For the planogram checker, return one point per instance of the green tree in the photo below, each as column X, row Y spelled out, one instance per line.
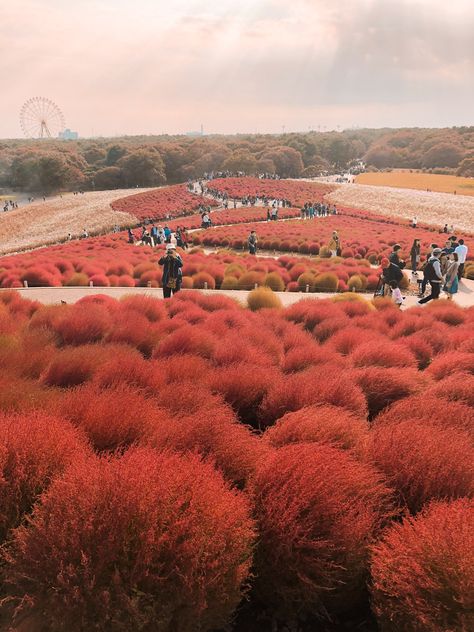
column 114, row 154
column 241, row 160
column 107, row 178
column 143, row 167
column 443, row 155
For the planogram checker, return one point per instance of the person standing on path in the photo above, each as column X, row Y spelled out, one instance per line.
column 172, row 274
column 433, row 276
column 451, row 284
column 390, row 272
column 252, row 243
column 461, row 251
column 415, row 253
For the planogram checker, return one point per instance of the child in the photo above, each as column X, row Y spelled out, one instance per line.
column 396, row 294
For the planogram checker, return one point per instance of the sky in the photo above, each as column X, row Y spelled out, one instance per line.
column 238, row 66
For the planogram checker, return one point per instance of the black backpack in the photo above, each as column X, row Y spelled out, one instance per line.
column 429, row 272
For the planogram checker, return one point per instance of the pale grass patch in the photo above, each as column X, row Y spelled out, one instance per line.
column 44, row 223
column 432, row 208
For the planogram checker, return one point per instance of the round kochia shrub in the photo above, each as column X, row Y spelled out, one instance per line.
column 326, row 282
column 166, row 546
column 318, row 385
column 34, row 448
column 423, row 462
column 217, row 436
column 319, row 424
column 422, row 575
column 317, row 510
column 263, row 297
column 113, row 417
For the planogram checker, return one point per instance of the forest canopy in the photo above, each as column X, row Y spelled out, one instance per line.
column 101, row 163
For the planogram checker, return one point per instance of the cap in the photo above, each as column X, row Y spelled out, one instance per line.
column 437, row 251
column 170, row 247
column 385, row 262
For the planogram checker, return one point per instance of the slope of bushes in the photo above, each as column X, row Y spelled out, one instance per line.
column 137, row 437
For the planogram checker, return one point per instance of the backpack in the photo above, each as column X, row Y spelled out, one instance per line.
column 429, row 272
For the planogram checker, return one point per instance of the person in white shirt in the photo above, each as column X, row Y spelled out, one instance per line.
column 461, row 251
column 397, row 297
column 414, row 222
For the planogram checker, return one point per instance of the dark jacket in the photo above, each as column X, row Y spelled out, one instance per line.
column 171, row 267
column 394, row 258
column 392, row 273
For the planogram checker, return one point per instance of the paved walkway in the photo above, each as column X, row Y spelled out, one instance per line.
column 54, row 295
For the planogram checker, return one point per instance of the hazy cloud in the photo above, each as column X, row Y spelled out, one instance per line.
column 117, row 66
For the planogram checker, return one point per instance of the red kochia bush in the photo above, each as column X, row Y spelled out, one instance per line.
column 317, row 510
column 73, row 366
column 243, row 386
column 318, row 385
column 83, row 324
column 187, row 339
column 386, row 354
column 451, row 362
column 422, row 575
column 320, row 424
column 216, row 435
column 458, row 387
column 114, row 417
column 383, row 386
column 34, row 448
column 423, row 462
column 430, row 411
column 166, row 545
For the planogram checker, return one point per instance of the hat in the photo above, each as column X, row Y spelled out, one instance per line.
column 385, row 262
column 437, row 251
column 170, row 247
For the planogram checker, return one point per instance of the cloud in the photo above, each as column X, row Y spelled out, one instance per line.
column 117, row 66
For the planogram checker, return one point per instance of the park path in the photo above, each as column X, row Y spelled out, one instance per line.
column 54, row 295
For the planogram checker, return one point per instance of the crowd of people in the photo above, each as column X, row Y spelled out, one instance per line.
column 158, row 235
column 9, row 205
column 311, row 210
column 442, row 270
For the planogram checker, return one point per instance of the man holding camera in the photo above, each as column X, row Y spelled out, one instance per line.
column 172, row 274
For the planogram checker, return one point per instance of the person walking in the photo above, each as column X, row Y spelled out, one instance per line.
column 461, row 251
column 433, row 276
column 397, row 297
column 452, row 282
column 252, row 243
column 415, row 253
column 172, row 273
column 395, row 256
column 390, row 272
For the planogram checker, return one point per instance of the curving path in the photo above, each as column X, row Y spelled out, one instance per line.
column 54, row 295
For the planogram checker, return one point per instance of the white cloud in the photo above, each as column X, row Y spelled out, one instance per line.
column 122, row 66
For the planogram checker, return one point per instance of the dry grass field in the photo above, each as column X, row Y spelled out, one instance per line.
column 430, row 207
column 43, row 223
column 404, row 179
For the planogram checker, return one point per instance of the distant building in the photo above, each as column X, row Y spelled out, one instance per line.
column 68, row 135
column 200, row 133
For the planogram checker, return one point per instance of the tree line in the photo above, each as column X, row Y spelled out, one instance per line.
column 49, row 165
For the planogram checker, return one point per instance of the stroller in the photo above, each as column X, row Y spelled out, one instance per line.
column 381, row 289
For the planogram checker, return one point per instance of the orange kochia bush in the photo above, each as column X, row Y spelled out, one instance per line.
column 165, row 545
column 317, row 509
column 276, row 403
column 422, row 575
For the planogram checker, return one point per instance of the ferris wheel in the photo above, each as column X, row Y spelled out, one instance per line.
column 41, row 118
